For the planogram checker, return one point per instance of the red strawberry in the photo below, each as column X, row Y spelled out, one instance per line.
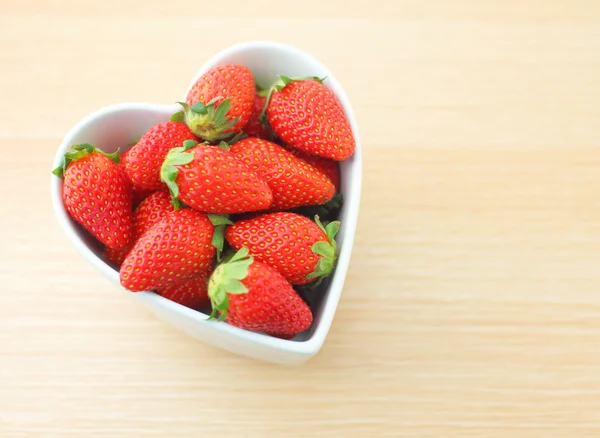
column 255, row 128
column 192, row 293
column 117, row 256
column 253, row 296
column 331, row 168
column 174, row 250
column 306, row 114
column 220, row 102
column 97, row 194
column 294, row 182
column 150, row 211
column 146, row 157
column 300, row 249
column 138, row 193
column 213, row 180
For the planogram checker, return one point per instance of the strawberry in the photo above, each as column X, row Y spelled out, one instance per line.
column 306, row 114
column 146, row 157
column 253, row 296
column 97, row 194
column 116, row 256
column 150, row 211
column 213, row 180
column 192, row 293
column 220, row 102
column 300, row 249
column 174, row 250
column 138, row 193
column 254, row 127
column 293, row 182
column 330, row 168
column 327, row 212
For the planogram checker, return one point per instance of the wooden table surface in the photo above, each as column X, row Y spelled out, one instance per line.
column 472, row 303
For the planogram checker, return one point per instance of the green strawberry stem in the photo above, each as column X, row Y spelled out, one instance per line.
column 327, row 212
column 178, row 117
column 169, row 171
column 226, row 279
column 220, row 222
column 78, row 152
column 209, row 122
column 224, row 145
column 239, row 136
column 278, row 86
column 327, row 251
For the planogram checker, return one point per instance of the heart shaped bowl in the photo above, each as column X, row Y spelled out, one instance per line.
column 117, row 125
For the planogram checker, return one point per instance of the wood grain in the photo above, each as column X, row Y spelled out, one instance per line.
column 472, row 304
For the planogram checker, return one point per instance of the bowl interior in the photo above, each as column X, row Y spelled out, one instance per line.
column 119, row 125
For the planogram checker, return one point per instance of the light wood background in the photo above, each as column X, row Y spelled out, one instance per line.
column 472, row 304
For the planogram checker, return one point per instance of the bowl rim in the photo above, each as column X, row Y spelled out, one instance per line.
column 306, row 347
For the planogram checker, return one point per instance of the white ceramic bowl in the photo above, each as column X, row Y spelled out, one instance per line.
column 117, row 125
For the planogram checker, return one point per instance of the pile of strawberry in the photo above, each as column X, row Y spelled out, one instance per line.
column 229, row 204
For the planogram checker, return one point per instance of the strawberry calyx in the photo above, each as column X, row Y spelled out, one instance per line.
column 224, row 145
column 178, row 117
column 239, row 136
column 220, row 222
column 79, row 151
column 168, row 172
column 327, row 251
column 226, row 279
column 209, row 122
column 327, row 211
column 280, row 84
column 285, row 80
